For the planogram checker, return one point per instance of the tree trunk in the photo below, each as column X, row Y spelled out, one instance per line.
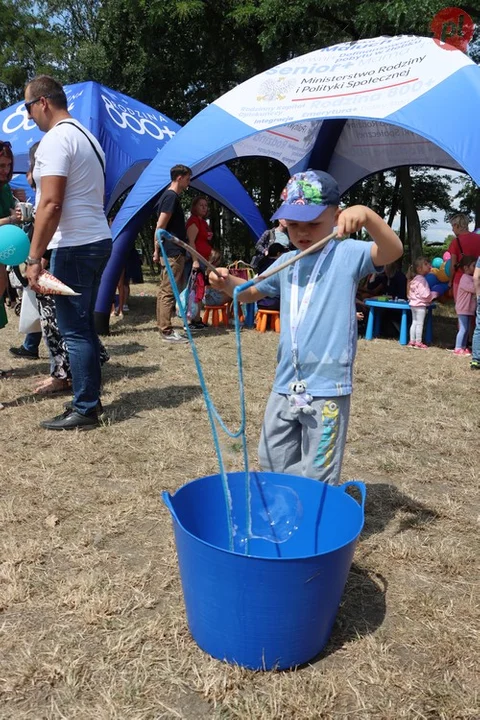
column 476, row 209
column 227, row 235
column 378, row 195
column 395, row 201
column 402, row 230
column 414, row 230
column 147, row 248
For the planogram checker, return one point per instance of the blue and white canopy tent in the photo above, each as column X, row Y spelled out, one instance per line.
column 131, row 134
column 351, row 109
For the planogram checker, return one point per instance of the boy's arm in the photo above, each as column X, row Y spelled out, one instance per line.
column 227, row 284
column 386, row 247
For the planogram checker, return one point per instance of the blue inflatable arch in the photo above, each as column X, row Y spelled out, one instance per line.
column 352, row 109
column 131, row 134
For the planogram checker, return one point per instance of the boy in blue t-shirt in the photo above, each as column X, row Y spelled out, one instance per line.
column 306, row 418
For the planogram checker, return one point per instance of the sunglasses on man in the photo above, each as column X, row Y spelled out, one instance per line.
column 29, row 104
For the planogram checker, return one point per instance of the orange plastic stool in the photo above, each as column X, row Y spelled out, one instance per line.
column 267, row 318
column 219, row 314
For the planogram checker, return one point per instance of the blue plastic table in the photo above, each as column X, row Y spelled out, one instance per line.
column 374, row 316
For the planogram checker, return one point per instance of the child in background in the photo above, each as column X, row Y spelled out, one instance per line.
column 318, row 325
column 419, row 297
column 274, row 252
column 465, row 304
column 212, row 296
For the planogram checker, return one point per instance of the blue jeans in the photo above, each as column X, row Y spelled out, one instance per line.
column 462, row 334
column 81, row 269
column 476, row 335
column 32, row 342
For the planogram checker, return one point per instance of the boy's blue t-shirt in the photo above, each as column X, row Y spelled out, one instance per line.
column 327, row 338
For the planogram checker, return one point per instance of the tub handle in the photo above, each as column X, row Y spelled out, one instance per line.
column 361, row 489
column 167, row 499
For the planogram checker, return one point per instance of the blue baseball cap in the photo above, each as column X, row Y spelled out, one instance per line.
column 306, row 195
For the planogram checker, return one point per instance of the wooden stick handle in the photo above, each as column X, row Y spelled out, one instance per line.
column 188, row 248
column 268, row 273
column 316, row 246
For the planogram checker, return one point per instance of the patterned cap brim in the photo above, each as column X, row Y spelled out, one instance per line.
column 302, row 213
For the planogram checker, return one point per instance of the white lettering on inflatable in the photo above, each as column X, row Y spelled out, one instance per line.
column 123, row 117
column 20, row 119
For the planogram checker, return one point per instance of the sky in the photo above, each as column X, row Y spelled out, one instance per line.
column 440, row 229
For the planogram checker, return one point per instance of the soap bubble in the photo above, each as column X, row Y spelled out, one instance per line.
column 276, row 512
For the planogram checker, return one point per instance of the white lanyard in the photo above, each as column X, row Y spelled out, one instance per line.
column 297, row 314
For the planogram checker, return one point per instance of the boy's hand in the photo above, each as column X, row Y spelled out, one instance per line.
column 352, row 219
column 219, row 283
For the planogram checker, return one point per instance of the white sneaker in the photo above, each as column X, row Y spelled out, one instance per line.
column 174, row 337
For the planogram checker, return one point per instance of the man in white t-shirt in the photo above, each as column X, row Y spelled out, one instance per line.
column 69, row 174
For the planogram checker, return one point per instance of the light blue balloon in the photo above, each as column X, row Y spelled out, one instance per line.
column 14, row 245
column 437, row 262
column 448, row 266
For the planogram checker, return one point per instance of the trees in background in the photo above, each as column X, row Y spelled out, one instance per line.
column 180, row 55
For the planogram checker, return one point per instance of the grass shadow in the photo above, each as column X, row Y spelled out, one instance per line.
column 361, row 612
column 444, row 331
column 124, row 329
column 39, row 367
column 126, row 349
column 383, row 504
column 132, row 403
column 116, row 371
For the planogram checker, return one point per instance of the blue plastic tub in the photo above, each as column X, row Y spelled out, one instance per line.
column 275, row 607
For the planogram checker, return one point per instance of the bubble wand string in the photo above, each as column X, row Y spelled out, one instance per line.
column 212, row 412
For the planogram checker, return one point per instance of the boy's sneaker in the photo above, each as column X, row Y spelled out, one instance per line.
column 421, row 346
column 475, row 364
column 174, row 337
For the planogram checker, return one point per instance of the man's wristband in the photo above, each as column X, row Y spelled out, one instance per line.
column 33, row 261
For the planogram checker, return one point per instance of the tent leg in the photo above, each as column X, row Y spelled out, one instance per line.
column 102, row 323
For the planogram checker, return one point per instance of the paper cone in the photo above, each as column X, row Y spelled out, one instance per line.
column 48, row 284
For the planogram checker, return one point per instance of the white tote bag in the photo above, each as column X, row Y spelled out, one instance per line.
column 29, row 316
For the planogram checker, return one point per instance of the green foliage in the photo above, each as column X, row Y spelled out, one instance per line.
column 26, row 48
column 469, row 199
column 433, row 251
column 180, row 55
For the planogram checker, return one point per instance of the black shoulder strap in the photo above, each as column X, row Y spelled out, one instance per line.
column 67, row 122
column 460, row 245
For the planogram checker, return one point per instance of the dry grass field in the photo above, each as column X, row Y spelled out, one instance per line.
column 92, row 624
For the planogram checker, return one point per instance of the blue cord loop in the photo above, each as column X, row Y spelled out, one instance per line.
column 212, row 411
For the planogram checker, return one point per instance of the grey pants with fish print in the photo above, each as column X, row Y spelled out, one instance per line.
column 308, row 445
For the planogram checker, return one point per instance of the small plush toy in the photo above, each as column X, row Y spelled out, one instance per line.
column 299, row 401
